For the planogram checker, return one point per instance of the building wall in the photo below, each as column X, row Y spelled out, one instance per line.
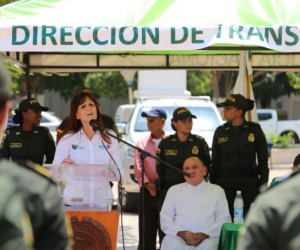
column 291, row 105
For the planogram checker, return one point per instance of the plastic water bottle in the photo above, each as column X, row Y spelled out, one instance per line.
column 238, row 206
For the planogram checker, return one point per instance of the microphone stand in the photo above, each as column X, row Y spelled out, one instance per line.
column 143, row 155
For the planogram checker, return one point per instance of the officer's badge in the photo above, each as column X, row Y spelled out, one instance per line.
column 35, row 132
column 4, row 136
column 18, row 133
column 74, row 146
column 251, row 137
column 195, row 150
column 158, row 150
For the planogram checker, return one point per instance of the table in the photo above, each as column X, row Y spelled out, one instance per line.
column 229, row 236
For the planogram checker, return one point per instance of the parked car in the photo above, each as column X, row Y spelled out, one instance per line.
column 208, row 119
column 48, row 120
column 268, row 120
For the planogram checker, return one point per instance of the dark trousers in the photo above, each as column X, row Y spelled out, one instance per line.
column 151, row 220
column 249, row 188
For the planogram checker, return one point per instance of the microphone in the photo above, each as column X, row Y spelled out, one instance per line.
column 95, row 126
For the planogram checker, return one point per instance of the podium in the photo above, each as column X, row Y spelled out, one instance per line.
column 87, row 196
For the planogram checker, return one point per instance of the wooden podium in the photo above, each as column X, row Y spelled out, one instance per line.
column 94, row 228
column 84, row 187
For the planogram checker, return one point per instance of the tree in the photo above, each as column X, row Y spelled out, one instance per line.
column 271, row 85
column 198, row 82
column 109, row 84
column 4, row 2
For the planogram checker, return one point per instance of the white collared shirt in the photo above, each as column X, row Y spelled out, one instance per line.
column 84, row 151
column 202, row 208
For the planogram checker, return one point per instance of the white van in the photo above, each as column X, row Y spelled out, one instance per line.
column 208, row 119
column 124, row 112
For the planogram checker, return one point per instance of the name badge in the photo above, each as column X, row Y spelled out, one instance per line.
column 170, row 152
column 15, row 145
column 222, row 139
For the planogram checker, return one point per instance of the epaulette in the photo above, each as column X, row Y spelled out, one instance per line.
column 38, row 169
column 47, row 129
column 254, row 123
column 6, row 132
column 226, row 124
column 199, row 137
column 106, row 116
column 12, row 127
column 59, row 131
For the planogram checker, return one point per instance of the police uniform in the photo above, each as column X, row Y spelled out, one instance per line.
column 234, row 153
column 42, row 203
column 18, row 144
column 16, row 229
column 175, row 152
column 273, row 222
column 107, row 121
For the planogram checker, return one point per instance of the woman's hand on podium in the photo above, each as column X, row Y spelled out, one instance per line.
column 68, row 161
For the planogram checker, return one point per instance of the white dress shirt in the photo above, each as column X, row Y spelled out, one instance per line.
column 84, row 151
column 201, row 208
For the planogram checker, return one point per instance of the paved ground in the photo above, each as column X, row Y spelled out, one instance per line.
column 130, row 221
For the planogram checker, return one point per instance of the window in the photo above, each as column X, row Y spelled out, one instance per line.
column 264, row 116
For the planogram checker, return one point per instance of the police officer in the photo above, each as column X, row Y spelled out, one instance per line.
column 42, row 202
column 236, row 145
column 37, row 191
column 273, row 221
column 28, row 141
column 13, row 218
column 175, row 149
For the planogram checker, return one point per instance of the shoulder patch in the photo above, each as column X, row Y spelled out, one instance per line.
column 4, row 135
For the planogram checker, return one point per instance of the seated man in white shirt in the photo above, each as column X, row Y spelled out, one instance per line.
column 193, row 212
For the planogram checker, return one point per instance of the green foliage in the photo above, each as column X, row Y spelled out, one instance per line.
column 109, row 84
column 282, row 141
column 15, row 74
column 66, row 85
column 198, row 83
column 4, row 2
column 274, row 85
column 103, row 84
column 294, row 79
